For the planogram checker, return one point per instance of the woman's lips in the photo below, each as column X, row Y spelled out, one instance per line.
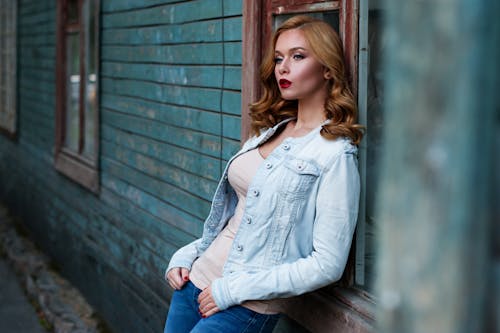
column 285, row 83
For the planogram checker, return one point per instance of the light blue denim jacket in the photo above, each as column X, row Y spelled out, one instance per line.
column 298, row 222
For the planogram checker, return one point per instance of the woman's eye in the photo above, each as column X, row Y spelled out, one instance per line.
column 278, row 60
column 298, row 56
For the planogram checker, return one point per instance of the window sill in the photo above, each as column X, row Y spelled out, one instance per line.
column 77, row 170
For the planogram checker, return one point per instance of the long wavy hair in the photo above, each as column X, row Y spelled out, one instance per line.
column 340, row 106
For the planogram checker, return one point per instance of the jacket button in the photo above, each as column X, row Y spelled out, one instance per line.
column 239, row 248
column 286, row 146
column 249, row 220
column 269, row 165
column 255, row 193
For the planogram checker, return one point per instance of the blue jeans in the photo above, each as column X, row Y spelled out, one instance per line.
column 183, row 316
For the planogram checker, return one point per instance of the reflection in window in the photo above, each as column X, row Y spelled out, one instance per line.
column 73, row 91
column 77, row 103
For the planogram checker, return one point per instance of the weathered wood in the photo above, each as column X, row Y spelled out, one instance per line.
column 206, row 31
column 188, row 11
column 202, row 165
column 170, row 117
column 196, row 141
column 183, row 200
column 193, row 183
column 206, row 54
column 435, row 203
column 200, row 76
column 202, row 98
column 179, row 116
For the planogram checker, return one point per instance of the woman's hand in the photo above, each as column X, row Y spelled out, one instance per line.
column 207, row 303
column 177, row 277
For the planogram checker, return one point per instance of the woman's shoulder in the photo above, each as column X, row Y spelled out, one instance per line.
column 337, row 145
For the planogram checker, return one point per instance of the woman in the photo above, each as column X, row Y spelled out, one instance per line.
column 284, row 212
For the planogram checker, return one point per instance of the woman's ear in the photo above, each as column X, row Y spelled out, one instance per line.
column 326, row 74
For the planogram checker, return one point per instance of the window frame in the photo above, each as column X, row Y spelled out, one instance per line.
column 343, row 305
column 8, row 65
column 76, row 166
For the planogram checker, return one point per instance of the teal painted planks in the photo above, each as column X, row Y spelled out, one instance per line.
column 232, row 77
column 231, row 103
column 203, row 98
column 232, row 7
column 188, row 182
column 190, row 161
column 118, row 5
column 196, row 141
column 206, row 31
column 171, row 225
column 185, row 117
column 200, row 76
column 229, row 148
column 176, row 197
column 168, row 14
column 232, row 29
column 231, row 127
column 232, row 53
column 44, row 98
column 184, row 54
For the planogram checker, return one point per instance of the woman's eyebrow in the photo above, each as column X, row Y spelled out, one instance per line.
column 293, row 49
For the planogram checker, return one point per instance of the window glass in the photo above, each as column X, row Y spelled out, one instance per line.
column 73, row 90
column 77, row 91
column 73, row 11
column 90, row 78
column 332, row 17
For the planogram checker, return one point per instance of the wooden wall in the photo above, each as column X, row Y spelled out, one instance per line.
column 170, row 118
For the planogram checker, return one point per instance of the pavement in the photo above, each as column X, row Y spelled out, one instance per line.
column 28, row 282
column 17, row 314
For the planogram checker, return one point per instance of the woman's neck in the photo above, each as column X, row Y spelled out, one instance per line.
column 310, row 115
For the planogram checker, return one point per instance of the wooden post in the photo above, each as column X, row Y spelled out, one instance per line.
column 436, row 204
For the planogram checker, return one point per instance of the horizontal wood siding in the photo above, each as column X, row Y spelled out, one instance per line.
column 170, row 120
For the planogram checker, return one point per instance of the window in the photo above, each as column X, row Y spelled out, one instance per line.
column 350, row 298
column 77, row 126
column 8, row 15
column 264, row 19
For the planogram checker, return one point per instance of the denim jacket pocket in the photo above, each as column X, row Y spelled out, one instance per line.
column 298, row 177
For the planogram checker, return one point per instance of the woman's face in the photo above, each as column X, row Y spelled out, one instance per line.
column 298, row 73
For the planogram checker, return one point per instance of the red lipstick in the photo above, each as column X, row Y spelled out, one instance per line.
column 284, row 83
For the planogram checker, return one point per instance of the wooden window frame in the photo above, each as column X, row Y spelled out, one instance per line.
column 8, row 67
column 76, row 166
column 340, row 307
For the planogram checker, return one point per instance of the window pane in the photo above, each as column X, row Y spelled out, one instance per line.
column 73, row 90
column 332, row 17
column 89, row 148
column 72, row 11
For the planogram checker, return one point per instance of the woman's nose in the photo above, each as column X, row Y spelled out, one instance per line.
column 283, row 67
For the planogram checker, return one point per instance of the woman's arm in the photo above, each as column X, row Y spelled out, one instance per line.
column 184, row 257
column 336, row 213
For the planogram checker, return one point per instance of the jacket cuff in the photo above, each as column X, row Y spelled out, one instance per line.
column 221, row 295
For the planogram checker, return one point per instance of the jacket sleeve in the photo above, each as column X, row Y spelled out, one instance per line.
column 185, row 256
column 336, row 214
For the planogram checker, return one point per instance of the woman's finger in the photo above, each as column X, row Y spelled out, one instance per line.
column 174, row 278
column 184, row 275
